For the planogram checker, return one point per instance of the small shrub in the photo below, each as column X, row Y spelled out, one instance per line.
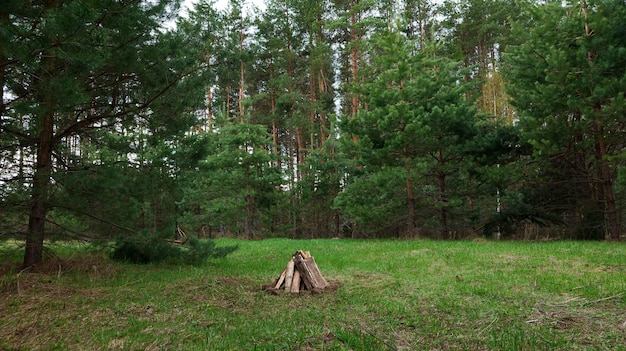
column 143, row 249
column 201, row 250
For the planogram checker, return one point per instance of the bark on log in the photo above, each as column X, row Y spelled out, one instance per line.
column 309, row 272
column 295, row 285
column 301, row 273
column 289, row 276
column 281, row 279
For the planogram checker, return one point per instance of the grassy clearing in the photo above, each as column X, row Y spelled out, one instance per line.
column 394, row 295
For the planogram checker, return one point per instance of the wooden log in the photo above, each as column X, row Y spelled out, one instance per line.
column 295, row 285
column 309, row 272
column 289, row 275
column 304, row 254
column 280, row 279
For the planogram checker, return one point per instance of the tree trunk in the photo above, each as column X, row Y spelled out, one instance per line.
column 39, row 196
column 3, row 66
column 321, row 84
column 443, row 211
column 354, row 58
column 249, row 223
column 422, row 29
column 312, row 98
column 299, row 150
column 33, row 253
column 274, row 124
column 209, row 101
column 209, row 105
column 275, row 140
column 242, row 81
column 410, row 198
column 610, row 211
column 228, row 98
column 209, row 111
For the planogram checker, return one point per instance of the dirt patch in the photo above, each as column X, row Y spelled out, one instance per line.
column 513, row 258
column 55, row 266
column 15, row 280
column 594, row 317
column 9, row 268
column 558, row 319
column 33, row 302
column 610, row 269
column 229, row 281
column 85, row 264
column 332, row 286
column 420, row 251
column 319, row 342
column 200, row 290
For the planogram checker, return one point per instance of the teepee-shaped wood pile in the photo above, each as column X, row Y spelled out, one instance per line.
column 301, row 274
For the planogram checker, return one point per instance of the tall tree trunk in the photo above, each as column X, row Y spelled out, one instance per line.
column 610, row 211
column 20, row 159
column 321, row 83
column 40, row 189
column 249, row 226
column 354, row 57
column 209, row 102
column 443, row 211
column 410, row 193
column 242, row 77
column 275, row 148
column 299, row 154
column 209, row 112
column 323, row 114
column 33, row 253
column 275, row 138
column 4, row 17
column 422, row 28
column 228, row 98
column 312, row 97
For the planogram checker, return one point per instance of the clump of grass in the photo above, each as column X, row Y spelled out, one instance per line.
column 358, row 339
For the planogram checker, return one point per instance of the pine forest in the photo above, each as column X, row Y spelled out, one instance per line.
column 128, row 120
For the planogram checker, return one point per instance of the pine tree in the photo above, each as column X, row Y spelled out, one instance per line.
column 415, row 128
column 567, row 80
column 76, row 71
column 234, row 185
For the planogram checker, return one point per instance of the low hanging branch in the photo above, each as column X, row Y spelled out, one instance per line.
column 181, row 237
column 300, row 274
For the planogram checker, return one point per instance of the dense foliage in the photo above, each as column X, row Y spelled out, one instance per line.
column 312, row 119
column 143, row 249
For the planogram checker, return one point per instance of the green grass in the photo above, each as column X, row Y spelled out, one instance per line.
column 394, row 295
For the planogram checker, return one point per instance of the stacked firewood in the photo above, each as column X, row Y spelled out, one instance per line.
column 301, row 274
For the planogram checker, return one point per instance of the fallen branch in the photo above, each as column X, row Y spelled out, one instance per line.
column 489, row 326
column 607, row 298
column 181, row 237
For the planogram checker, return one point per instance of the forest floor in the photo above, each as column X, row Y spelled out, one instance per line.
column 387, row 295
